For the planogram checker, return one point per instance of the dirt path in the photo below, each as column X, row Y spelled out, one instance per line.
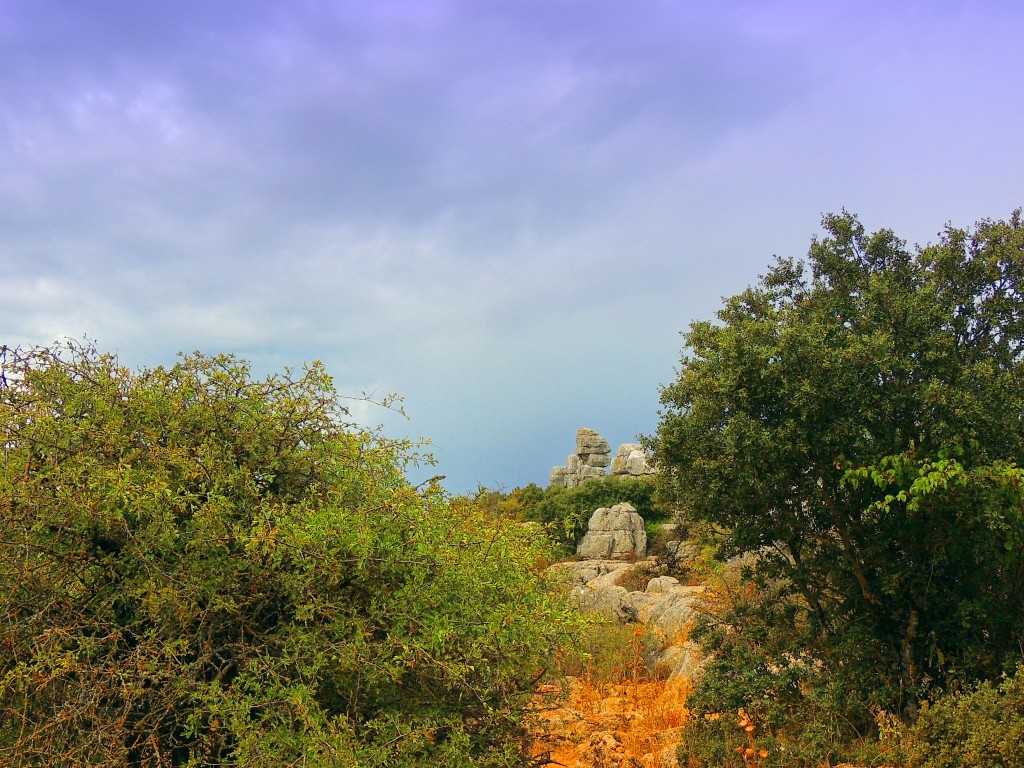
column 628, row 724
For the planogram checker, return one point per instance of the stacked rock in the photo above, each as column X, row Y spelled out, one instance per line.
column 591, row 457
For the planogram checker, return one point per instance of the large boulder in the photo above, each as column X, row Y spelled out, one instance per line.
column 668, row 605
column 631, row 459
column 616, row 532
column 608, row 600
column 579, row 572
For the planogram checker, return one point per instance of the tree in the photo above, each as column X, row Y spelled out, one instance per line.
column 199, row 568
column 857, row 427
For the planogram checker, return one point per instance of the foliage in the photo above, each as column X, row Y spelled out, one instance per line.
column 565, row 512
column 806, row 712
column 854, row 422
column 980, row 728
column 200, row 568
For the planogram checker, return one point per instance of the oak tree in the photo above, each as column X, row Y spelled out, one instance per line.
column 855, row 421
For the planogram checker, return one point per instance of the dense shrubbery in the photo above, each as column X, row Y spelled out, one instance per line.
column 202, row 569
column 853, row 427
column 566, row 511
column 981, row 728
column 807, row 713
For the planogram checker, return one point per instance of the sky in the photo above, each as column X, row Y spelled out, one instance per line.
column 504, row 211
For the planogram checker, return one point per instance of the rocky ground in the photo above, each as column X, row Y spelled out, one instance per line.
column 634, row 720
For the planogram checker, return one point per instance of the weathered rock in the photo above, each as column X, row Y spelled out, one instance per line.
column 631, row 459
column 609, row 600
column 661, row 584
column 596, row 588
column 590, row 459
column 585, row 571
column 681, row 553
column 671, row 611
column 588, row 442
column 666, row 607
column 617, row 532
column 603, row 750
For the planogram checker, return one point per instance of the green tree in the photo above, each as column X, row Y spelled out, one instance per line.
column 199, row 568
column 856, row 425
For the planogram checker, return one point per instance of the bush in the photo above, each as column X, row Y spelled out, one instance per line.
column 853, row 422
column 202, row 569
column 766, row 660
column 980, row 728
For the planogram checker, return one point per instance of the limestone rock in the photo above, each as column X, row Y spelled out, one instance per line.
column 591, row 457
column 596, row 588
column 672, row 611
column 684, row 660
column 588, row 442
column 631, row 459
column 617, row 532
column 584, row 571
column 558, row 477
column 609, row 600
column 680, row 554
column 661, row 584
column 603, row 751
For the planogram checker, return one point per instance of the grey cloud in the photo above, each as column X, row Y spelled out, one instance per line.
column 348, row 115
column 444, row 198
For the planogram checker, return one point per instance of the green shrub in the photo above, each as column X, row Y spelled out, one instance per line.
column 853, row 423
column 202, row 569
column 980, row 728
column 766, row 660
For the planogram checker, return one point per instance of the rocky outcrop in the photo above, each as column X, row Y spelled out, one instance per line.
column 664, row 606
column 596, row 589
column 667, row 605
column 591, row 457
column 616, row 532
column 631, row 460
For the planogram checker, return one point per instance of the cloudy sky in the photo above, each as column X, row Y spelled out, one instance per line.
column 505, row 210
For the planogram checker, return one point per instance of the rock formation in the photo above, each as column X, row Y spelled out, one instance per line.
column 614, row 533
column 631, row 459
column 593, row 454
column 591, row 457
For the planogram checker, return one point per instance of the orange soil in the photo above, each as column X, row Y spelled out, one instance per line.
column 629, row 724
